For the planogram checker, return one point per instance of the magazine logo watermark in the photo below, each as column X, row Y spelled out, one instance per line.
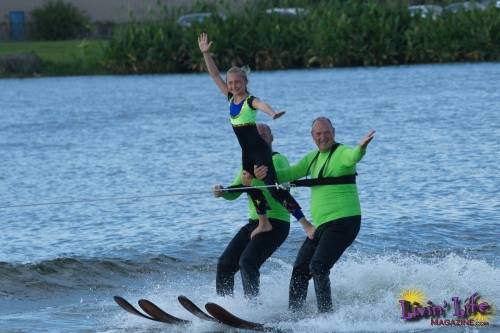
column 469, row 311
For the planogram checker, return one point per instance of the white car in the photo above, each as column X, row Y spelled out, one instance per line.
column 288, row 11
column 425, row 10
column 188, row 19
column 467, row 6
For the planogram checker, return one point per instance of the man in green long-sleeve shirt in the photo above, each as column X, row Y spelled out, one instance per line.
column 335, row 209
column 249, row 248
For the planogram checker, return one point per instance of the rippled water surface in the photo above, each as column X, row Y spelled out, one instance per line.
column 428, row 186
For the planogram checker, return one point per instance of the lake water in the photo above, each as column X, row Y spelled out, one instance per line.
column 152, row 146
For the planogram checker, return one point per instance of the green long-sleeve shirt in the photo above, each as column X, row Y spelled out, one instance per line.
column 328, row 202
column 277, row 211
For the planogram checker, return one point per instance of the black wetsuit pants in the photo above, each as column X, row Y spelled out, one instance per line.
column 247, row 255
column 255, row 151
column 315, row 259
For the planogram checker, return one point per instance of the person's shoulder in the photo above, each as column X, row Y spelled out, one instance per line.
column 312, row 154
column 278, row 157
column 345, row 151
column 343, row 148
column 250, row 100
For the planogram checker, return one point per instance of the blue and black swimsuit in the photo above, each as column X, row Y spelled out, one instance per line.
column 256, row 151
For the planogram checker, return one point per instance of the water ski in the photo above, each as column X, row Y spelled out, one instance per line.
column 226, row 317
column 194, row 309
column 156, row 312
column 153, row 312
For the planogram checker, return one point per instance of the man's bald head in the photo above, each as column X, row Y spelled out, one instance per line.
column 265, row 133
column 324, row 120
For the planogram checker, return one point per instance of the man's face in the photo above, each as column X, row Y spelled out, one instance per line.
column 323, row 135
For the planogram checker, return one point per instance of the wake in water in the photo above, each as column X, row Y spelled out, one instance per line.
column 73, row 274
column 366, row 293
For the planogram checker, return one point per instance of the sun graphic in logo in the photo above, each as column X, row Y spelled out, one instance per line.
column 413, row 296
column 478, row 316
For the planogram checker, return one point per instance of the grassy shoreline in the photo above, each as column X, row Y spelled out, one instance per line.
column 60, row 58
column 82, row 57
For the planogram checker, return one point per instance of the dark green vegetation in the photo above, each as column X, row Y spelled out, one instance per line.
column 338, row 33
column 58, row 20
column 325, row 34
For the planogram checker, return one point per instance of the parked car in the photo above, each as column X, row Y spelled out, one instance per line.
column 188, row 19
column 288, row 11
column 467, row 6
column 425, row 10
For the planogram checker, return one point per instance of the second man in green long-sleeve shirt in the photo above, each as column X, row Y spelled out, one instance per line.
column 248, row 250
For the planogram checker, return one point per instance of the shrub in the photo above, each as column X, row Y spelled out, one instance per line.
column 57, row 20
column 326, row 34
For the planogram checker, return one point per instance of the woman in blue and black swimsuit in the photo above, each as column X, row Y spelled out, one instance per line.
column 255, row 151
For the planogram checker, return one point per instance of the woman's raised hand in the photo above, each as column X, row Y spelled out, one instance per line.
column 203, row 42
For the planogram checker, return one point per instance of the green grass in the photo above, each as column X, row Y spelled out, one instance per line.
column 74, row 57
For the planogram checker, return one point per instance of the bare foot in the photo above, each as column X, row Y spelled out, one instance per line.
column 308, row 228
